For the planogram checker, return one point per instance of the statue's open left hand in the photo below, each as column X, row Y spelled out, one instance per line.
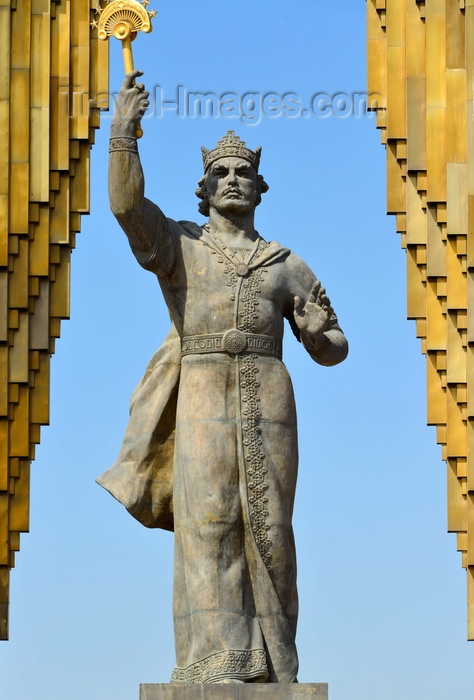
column 132, row 100
column 314, row 316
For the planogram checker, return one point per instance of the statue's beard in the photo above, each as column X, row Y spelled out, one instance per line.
column 232, row 206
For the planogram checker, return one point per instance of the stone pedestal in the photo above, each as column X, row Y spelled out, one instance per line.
column 230, row 691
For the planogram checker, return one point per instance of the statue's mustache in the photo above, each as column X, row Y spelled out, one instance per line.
column 232, row 190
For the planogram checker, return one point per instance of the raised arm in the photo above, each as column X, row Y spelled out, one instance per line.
column 144, row 223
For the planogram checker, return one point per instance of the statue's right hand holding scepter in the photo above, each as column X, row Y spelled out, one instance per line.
column 130, row 106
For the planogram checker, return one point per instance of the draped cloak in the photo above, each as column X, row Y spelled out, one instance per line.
column 210, row 452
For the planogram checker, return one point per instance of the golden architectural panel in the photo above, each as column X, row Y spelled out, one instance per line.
column 421, row 60
column 52, row 68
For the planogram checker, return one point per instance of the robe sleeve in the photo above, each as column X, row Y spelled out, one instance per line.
column 161, row 257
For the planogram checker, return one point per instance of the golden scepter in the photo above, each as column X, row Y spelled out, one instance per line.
column 123, row 19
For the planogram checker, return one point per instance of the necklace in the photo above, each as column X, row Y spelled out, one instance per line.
column 240, row 257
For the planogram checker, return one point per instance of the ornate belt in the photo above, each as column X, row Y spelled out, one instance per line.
column 233, row 342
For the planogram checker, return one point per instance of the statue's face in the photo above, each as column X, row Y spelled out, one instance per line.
column 232, row 186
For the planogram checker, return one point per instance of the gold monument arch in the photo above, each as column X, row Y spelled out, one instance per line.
column 51, row 65
column 421, row 60
column 54, row 81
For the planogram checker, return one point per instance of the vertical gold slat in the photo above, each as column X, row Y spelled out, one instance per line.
column 436, row 154
column 99, row 74
column 59, row 299
column 457, row 282
column 377, row 53
column 436, row 100
column 3, row 306
column 39, row 395
column 436, row 321
column 437, row 408
column 416, row 215
column 18, row 353
column 59, row 216
column 378, row 75
column 80, row 183
column 19, row 150
column 60, row 84
column 20, row 36
column 5, row 14
column 416, row 294
column 416, row 41
column 39, row 319
column 19, row 426
column 4, row 548
column 4, row 464
column 455, row 35
column 416, row 123
column 457, row 513
column 20, row 502
column 456, row 355
column 3, row 391
column 456, row 116
column 39, row 246
column 19, row 116
column 436, row 248
column 396, row 189
column 80, row 68
column 40, row 110
column 18, row 282
column 396, row 69
column 457, row 198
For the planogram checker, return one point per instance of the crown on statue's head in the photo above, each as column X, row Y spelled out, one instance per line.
column 231, row 145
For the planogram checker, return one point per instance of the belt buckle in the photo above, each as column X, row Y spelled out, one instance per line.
column 234, row 341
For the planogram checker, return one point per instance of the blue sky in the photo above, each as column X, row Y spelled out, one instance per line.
column 382, row 592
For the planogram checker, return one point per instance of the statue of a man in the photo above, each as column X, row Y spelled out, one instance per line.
column 211, row 447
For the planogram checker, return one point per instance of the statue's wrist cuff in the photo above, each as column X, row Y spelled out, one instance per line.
column 123, row 143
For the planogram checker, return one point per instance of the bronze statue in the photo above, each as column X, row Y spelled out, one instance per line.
column 211, row 447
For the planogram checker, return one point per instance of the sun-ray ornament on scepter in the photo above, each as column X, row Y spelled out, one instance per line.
column 123, row 19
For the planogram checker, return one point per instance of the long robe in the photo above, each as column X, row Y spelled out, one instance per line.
column 211, row 451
